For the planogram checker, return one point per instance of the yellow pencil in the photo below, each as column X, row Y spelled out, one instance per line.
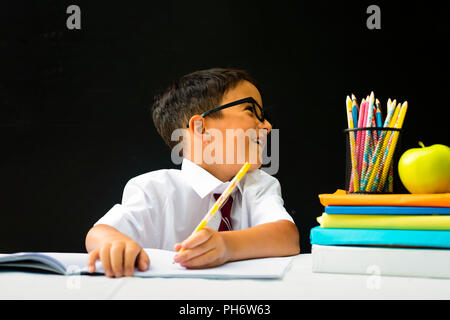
column 354, row 175
column 222, row 199
column 378, row 157
column 387, row 164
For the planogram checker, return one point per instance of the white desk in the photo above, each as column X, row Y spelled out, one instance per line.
column 298, row 283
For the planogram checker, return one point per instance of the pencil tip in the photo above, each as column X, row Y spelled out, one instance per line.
column 348, row 102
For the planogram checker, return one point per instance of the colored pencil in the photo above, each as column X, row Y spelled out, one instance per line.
column 377, row 157
column 378, row 116
column 399, row 125
column 359, row 135
column 350, row 104
column 355, row 110
column 367, row 134
column 387, row 144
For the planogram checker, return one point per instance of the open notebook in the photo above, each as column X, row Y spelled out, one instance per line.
column 160, row 265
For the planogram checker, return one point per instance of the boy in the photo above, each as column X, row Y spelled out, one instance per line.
column 160, row 209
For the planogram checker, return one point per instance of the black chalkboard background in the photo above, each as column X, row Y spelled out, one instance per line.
column 74, row 104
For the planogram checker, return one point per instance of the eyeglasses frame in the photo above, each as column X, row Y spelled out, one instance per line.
column 235, row 103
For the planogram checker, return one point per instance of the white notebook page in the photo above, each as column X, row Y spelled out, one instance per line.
column 266, row 268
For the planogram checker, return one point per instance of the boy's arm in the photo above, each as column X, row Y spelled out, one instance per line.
column 273, row 239
column 101, row 234
column 209, row 248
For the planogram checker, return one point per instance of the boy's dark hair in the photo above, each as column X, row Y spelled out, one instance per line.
column 192, row 94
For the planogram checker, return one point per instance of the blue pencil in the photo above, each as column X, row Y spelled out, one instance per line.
column 378, row 116
column 355, row 111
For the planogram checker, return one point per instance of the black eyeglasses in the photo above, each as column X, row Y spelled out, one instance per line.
column 256, row 108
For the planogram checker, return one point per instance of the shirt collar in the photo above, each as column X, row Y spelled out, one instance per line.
column 202, row 181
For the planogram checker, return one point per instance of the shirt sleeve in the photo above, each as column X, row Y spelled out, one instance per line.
column 265, row 201
column 133, row 217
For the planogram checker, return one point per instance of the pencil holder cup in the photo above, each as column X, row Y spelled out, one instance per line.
column 371, row 160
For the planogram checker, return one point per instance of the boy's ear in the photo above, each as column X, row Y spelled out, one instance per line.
column 196, row 123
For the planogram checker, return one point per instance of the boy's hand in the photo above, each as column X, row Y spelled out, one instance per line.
column 203, row 249
column 119, row 257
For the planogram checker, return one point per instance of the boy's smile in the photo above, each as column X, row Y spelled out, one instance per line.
column 242, row 121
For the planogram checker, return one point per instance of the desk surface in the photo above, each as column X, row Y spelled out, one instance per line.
column 298, row 283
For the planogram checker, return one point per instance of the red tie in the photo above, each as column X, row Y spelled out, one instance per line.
column 225, row 224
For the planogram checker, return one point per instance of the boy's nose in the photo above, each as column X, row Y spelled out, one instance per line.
column 265, row 125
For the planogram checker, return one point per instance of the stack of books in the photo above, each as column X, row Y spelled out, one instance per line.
column 386, row 234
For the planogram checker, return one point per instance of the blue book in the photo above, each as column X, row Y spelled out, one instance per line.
column 386, row 210
column 380, row 237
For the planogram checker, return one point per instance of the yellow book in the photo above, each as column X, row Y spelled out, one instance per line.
column 407, row 222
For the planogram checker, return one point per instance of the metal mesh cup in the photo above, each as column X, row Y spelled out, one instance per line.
column 371, row 159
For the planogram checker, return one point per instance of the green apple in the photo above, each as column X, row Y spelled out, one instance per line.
column 426, row 169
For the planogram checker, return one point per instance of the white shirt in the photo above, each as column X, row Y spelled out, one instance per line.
column 163, row 207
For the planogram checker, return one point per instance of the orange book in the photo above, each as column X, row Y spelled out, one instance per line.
column 342, row 198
